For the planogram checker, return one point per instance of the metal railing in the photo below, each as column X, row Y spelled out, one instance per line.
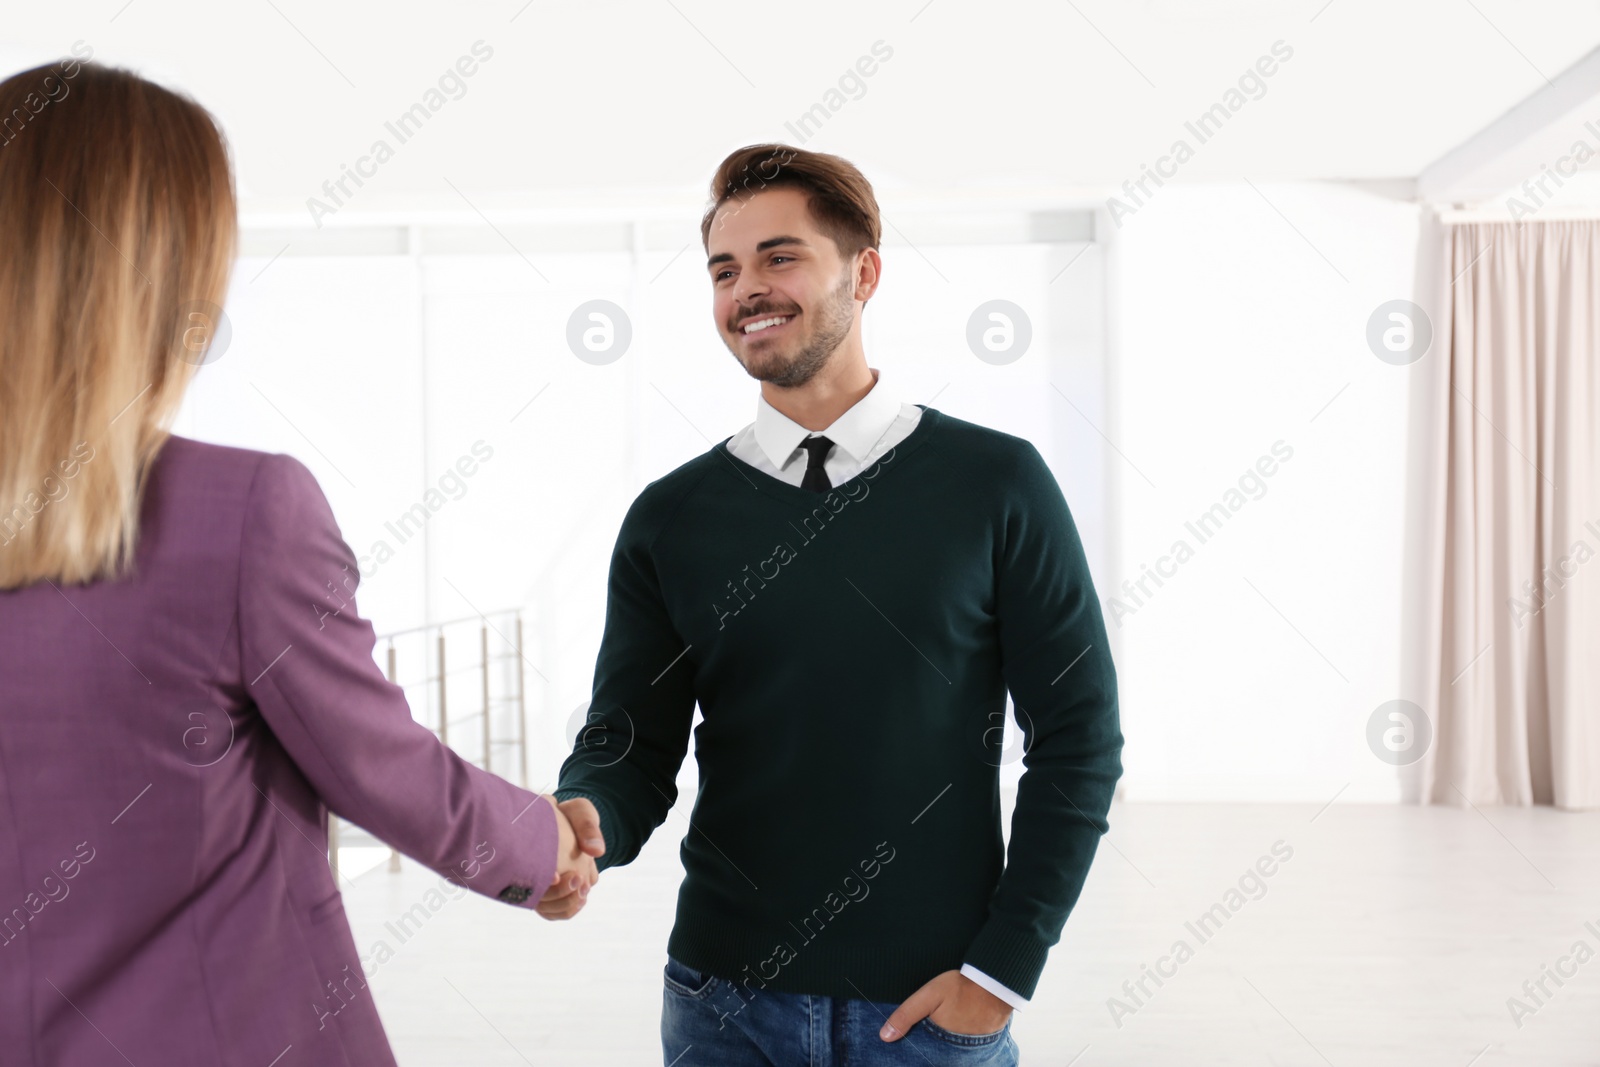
column 499, row 685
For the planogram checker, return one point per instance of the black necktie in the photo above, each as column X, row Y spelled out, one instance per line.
column 816, row 479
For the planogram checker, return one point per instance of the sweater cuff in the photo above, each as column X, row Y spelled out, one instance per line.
column 1012, row 957
column 607, row 823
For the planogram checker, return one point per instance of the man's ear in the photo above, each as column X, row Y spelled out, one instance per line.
column 868, row 271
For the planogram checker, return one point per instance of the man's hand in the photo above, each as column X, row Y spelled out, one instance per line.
column 580, row 841
column 952, row 1002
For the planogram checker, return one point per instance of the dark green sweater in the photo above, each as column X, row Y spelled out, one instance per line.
column 850, row 652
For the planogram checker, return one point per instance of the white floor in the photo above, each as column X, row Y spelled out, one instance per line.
column 1393, row 935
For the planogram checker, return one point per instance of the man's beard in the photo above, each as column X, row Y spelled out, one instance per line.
column 835, row 314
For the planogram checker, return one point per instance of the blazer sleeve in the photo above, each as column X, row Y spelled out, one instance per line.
column 308, row 667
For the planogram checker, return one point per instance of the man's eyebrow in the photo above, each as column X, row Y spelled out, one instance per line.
column 770, row 242
column 774, row 242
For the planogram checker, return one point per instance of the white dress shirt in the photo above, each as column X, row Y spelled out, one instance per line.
column 861, row 436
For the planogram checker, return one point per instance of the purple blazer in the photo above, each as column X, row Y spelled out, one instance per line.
column 170, row 745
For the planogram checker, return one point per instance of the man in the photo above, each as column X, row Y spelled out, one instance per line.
column 847, row 587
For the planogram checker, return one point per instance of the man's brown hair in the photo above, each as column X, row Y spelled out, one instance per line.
column 839, row 197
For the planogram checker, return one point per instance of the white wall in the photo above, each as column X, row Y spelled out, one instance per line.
column 382, row 372
column 1238, row 313
column 1234, row 323
column 323, row 363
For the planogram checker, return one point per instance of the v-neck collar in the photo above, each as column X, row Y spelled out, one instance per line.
column 774, row 486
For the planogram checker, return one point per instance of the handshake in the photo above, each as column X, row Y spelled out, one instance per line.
column 580, row 841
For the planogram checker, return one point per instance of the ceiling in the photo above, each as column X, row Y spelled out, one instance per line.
column 589, row 102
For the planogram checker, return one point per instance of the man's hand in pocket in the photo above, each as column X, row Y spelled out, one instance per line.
column 952, row 1002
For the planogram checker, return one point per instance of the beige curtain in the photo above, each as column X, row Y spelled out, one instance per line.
column 1509, row 646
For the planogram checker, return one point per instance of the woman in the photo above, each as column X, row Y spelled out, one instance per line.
column 178, row 709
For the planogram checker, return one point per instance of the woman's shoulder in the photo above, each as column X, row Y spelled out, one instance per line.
column 203, row 456
column 223, row 477
column 220, row 502
column 204, row 463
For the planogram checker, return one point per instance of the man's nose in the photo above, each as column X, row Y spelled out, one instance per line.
column 746, row 289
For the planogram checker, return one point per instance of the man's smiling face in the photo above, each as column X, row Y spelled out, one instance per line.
column 783, row 297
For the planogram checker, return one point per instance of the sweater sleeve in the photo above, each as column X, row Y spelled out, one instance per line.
column 308, row 666
column 625, row 760
column 1057, row 666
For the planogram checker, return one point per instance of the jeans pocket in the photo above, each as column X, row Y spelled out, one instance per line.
column 965, row 1040
column 686, row 981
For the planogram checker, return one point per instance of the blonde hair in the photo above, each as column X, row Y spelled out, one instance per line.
column 117, row 236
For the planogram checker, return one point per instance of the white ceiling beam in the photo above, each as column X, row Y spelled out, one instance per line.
column 1522, row 142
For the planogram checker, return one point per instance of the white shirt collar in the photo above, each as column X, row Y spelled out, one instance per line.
column 855, row 431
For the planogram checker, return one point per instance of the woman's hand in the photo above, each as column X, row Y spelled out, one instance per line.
column 578, row 824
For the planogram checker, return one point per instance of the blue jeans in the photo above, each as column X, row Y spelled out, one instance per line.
column 708, row 1022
